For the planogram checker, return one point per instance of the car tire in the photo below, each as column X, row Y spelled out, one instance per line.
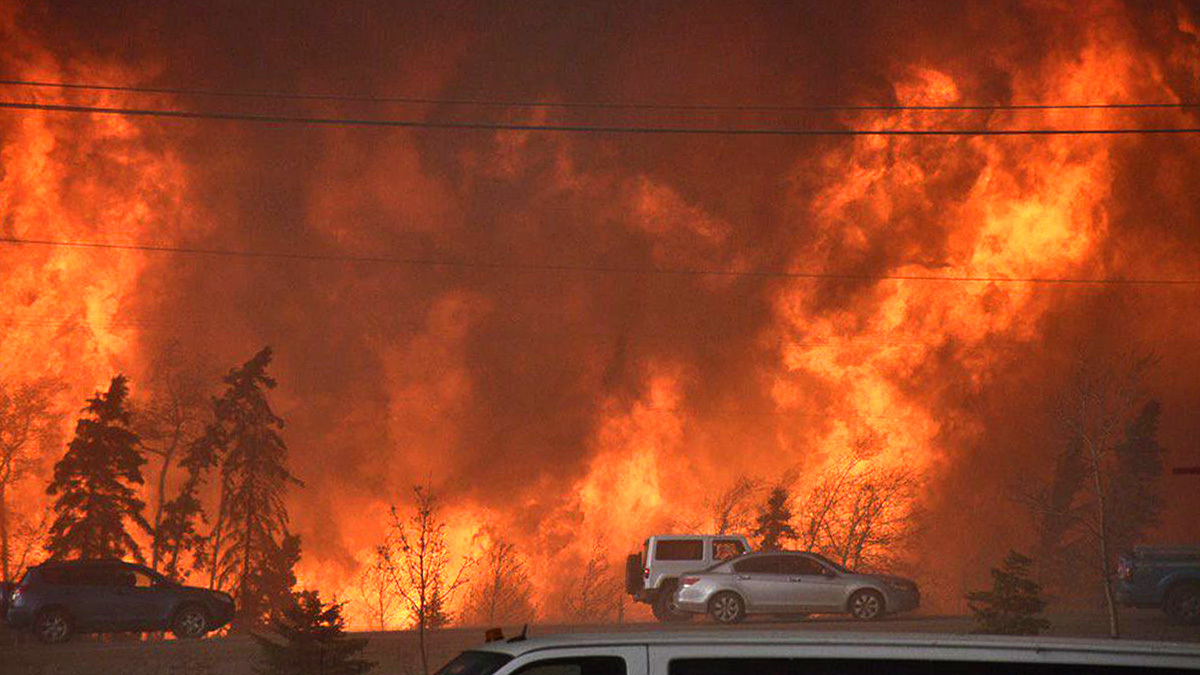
column 52, row 626
column 866, row 605
column 190, row 622
column 727, row 607
column 664, row 607
column 1182, row 604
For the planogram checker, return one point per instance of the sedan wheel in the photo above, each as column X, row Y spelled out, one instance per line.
column 53, row 626
column 190, row 623
column 866, row 605
column 727, row 608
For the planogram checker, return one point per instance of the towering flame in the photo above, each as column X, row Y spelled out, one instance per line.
column 566, row 409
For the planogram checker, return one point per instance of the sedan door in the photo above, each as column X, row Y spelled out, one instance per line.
column 811, row 587
column 761, row 581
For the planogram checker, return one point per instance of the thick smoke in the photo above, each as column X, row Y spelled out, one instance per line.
column 565, row 406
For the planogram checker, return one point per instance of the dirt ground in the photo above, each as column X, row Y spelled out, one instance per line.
column 396, row 651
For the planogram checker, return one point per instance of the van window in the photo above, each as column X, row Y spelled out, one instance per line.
column 794, row 666
column 679, row 549
column 724, row 549
column 581, row 665
column 475, row 663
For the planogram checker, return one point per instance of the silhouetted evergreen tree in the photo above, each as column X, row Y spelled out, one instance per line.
column 251, row 552
column 314, row 641
column 1136, row 503
column 437, row 617
column 96, row 500
column 773, row 526
column 1014, row 603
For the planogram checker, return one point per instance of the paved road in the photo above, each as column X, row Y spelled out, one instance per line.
column 396, row 651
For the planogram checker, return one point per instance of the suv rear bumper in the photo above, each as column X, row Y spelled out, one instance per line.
column 646, row 595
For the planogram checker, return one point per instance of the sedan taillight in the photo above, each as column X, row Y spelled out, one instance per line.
column 688, row 581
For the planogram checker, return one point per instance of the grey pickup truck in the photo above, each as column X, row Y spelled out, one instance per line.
column 1167, row 577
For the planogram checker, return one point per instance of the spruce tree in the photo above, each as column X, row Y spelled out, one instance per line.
column 1135, row 504
column 774, row 521
column 1014, row 603
column 251, row 551
column 314, row 641
column 95, row 483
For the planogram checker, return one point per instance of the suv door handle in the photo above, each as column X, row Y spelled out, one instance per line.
column 795, row 578
column 742, row 577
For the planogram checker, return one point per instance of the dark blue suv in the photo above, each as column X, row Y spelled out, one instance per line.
column 1162, row 576
column 56, row 599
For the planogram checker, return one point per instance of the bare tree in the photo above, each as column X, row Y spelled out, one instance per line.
column 169, row 422
column 595, row 594
column 733, row 510
column 500, row 593
column 26, row 424
column 419, row 565
column 1102, row 398
column 876, row 515
column 859, row 512
column 375, row 589
column 27, row 535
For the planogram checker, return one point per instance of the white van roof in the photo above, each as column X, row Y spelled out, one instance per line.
column 879, row 646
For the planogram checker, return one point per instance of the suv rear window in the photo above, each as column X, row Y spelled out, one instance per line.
column 724, row 549
column 679, row 549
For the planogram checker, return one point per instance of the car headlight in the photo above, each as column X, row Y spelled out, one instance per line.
column 899, row 585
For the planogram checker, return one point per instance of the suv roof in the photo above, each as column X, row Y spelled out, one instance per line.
column 86, row 562
column 697, row 536
column 882, row 646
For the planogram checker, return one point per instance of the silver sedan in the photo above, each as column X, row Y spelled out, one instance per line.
column 792, row 583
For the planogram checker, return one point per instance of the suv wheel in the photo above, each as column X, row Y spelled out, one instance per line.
column 664, row 606
column 190, row 623
column 727, row 607
column 53, row 626
column 1183, row 604
column 866, row 605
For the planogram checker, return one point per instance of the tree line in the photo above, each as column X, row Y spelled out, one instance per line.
column 217, row 512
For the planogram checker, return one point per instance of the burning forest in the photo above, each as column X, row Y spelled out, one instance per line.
column 520, row 339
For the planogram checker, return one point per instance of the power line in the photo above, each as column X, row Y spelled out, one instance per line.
column 591, row 269
column 613, row 105
column 577, row 128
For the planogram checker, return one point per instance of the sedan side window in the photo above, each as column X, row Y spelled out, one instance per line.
column 802, row 566
column 766, row 564
column 583, row 665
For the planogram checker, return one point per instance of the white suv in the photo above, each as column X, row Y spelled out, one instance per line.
column 652, row 576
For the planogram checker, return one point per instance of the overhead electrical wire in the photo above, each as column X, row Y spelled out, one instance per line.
column 595, row 269
column 615, row 105
column 576, row 128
